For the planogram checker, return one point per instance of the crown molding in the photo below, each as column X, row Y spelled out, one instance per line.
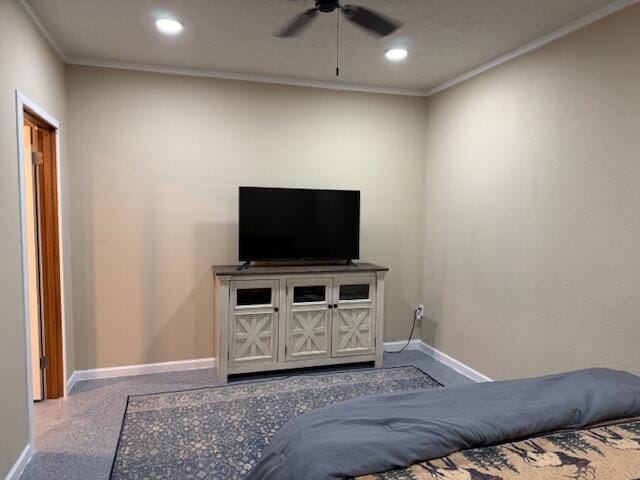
column 194, row 72
column 535, row 44
column 39, row 24
column 328, row 85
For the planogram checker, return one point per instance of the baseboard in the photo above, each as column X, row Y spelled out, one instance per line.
column 442, row 357
column 144, row 369
column 395, row 346
column 71, row 381
column 21, row 463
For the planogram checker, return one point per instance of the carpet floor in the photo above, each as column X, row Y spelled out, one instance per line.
column 219, row 432
column 76, row 437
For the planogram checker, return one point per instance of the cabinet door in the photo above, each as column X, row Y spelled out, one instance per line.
column 353, row 315
column 308, row 322
column 254, row 322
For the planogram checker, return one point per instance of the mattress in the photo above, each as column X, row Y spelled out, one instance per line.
column 399, row 430
column 609, row 451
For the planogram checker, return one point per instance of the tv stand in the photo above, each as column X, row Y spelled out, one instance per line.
column 278, row 317
column 245, row 265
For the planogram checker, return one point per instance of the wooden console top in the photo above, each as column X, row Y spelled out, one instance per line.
column 292, row 269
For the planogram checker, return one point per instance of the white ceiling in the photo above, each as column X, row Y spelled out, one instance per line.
column 445, row 38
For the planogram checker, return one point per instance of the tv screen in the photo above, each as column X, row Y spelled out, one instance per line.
column 299, row 224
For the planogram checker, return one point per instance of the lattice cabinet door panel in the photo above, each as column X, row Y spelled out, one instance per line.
column 354, row 319
column 308, row 321
column 253, row 332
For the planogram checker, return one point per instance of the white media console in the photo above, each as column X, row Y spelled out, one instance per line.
column 294, row 316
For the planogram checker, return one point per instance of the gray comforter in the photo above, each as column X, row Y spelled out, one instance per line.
column 380, row 432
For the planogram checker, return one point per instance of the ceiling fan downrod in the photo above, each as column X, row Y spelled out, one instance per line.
column 337, row 44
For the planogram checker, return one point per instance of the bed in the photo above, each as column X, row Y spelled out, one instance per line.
column 609, row 451
column 488, row 431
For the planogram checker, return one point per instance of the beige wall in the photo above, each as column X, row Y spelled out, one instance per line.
column 157, row 161
column 28, row 64
column 532, row 218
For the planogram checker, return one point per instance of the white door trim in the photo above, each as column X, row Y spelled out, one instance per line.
column 22, row 102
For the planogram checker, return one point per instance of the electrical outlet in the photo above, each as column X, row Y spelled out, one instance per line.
column 419, row 312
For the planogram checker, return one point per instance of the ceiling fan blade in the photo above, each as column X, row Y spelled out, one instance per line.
column 370, row 20
column 298, row 24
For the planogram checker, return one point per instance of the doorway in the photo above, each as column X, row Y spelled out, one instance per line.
column 44, row 292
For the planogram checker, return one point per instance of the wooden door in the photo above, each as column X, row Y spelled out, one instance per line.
column 33, row 266
column 308, row 320
column 43, row 138
column 253, row 331
column 353, row 315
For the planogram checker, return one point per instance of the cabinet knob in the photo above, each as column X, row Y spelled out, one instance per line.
column 335, row 305
column 276, row 309
column 330, row 306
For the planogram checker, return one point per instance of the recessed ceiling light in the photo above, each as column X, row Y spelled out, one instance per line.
column 396, row 54
column 168, row 26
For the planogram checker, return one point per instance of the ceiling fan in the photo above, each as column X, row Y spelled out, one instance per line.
column 366, row 18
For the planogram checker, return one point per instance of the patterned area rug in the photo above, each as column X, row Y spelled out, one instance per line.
column 219, row 432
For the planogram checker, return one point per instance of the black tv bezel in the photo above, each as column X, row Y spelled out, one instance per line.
column 304, row 259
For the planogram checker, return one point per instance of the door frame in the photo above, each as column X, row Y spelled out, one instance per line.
column 25, row 103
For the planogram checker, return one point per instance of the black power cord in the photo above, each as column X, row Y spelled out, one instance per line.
column 413, row 327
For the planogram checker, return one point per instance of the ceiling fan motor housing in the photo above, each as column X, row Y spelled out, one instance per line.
column 327, row 6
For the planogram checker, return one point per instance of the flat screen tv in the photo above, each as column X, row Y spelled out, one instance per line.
column 299, row 224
